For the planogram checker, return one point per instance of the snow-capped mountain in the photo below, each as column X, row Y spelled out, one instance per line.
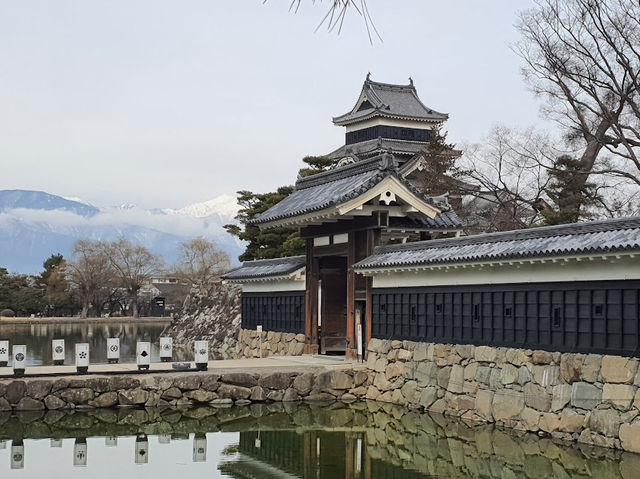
column 35, row 224
column 223, row 205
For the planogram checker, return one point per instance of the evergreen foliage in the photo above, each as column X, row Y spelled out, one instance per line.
column 274, row 242
column 571, row 196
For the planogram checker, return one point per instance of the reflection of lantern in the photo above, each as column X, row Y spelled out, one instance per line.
column 164, row 439
column 19, row 359
column 82, row 358
column 111, row 441
column 17, row 455
column 80, row 452
column 113, row 350
column 199, row 448
column 57, row 351
column 4, row 353
column 56, row 442
column 143, row 355
column 166, row 349
column 142, row 449
column 201, row 355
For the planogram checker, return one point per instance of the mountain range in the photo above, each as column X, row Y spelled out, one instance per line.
column 36, row 224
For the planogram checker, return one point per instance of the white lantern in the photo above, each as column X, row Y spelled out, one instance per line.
column 164, row 439
column 57, row 351
column 4, row 353
column 17, row 455
column 113, row 350
column 199, row 448
column 201, row 354
column 166, row 349
column 80, row 452
column 142, row 449
column 111, row 441
column 19, row 359
column 82, row 357
column 143, row 355
column 56, row 442
column 3, row 444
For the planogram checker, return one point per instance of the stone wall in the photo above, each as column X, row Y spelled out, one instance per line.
column 208, row 315
column 180, row 389
column 252, row 344
column 590, row 399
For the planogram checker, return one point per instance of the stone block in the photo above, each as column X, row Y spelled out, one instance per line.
column 420, row 352
column 77, row 395
column 530, row 418
column 536, row 397
column 483, row 375
column 571, row 421
column 617, row 369
column 229, row 391
column 542, row 357
column 372, row 393
column 470, row 371
column 275, row 381
column 426, row 374
column 630, row 437
column 15, row 391
column 507, row 404
column 524, row 376
column 619, row 395
column 605, row 422
column 456, row 379
column 38, row 388
column 235, row 379
column 428, row 396
column 129, row 397
column 53, row 402
column 508, row 374
column 585, row 395
column 404, row 355
column 466, row 351
column 394, row 370
column 29, row 404
column 303, row 383
column 546, row 375
column 549, row 422
column 571, row 367
column 561, row 396
column 409, row 390
column 517, row 357
column 443, row 377
column 485, row 354
column 380, row 365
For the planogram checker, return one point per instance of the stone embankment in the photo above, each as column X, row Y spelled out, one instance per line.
column 591, row 399
column 208, row 315
column 180, row 389
column 254, row 344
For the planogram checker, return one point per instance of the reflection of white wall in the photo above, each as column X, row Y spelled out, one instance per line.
column 166, row 461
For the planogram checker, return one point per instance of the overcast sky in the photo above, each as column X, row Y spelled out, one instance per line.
column 165, row 103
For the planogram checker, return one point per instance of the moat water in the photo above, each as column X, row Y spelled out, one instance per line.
column 361, row 441
column 37, row 337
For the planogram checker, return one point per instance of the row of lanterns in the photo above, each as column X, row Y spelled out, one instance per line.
column 143, row 354
column 80, row 449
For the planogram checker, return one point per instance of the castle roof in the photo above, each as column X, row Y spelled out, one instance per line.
column 390, row 101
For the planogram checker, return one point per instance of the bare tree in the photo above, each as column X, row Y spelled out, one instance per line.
column 89, row 270
column 201, row 262
column 583, row 57
column 134, row 266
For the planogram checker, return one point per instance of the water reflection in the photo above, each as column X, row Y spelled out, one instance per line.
column 361, row 441
column 38, row 337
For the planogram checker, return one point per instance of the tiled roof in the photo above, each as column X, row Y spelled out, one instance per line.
column 445, row 220
column 379, row 145
column 581, row 238
column 334, row 187
column 265, row 268
column 394, row 101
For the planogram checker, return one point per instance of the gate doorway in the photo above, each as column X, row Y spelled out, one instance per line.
column 332, row 305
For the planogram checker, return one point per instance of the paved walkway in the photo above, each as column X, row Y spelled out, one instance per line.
column 276, row 363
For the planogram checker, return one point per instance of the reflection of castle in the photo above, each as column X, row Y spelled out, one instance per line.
column 310, row 454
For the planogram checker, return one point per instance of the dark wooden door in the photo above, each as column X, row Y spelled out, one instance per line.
column 333, row 329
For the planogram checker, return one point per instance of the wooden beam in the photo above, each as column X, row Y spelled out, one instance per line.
column 344, row 226
column 351, row 352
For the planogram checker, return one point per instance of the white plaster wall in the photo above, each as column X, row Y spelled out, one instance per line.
column 585, row 270
column 422, row 125
column 274, row 286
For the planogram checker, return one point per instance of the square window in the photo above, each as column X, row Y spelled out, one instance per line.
column 557, row 317
column 508, row 311
column 439, row 308
column 598, row 309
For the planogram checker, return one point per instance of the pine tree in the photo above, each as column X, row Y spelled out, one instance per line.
column 571, row 196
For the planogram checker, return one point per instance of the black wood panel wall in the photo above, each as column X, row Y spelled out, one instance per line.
column 600, row 317
column 282, row 311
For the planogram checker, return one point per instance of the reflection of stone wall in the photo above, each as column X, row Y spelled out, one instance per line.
column 591, row 399
column 272, row 343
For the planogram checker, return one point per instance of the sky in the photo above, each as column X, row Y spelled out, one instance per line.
column 162, row 103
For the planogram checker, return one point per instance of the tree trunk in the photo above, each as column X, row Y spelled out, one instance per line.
column 134, row 306
column 85, row 309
